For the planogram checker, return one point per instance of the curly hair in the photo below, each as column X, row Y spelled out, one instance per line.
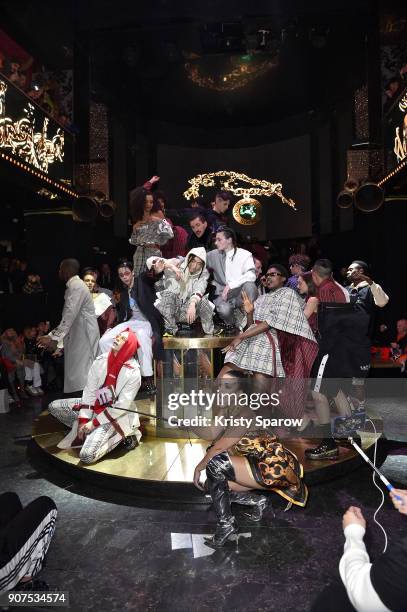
column 137, row 203
column 300, row 260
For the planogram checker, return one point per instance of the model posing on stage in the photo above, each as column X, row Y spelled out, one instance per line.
column 150, row 231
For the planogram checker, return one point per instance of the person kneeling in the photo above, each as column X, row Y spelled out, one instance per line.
column 102, row 418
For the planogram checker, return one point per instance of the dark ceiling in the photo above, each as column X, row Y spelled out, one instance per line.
column 204, row 63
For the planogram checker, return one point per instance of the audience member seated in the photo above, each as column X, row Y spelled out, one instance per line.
column 298, row 264
column 102, row 417
column 12, row 351
column 32, row 366
column 102, row 301
column 233, row 272
column 25, row 536
column 136, row 311
column 364, row 586
column 43, row 328
column 183, row 299
column 33, row 284
column 201, row 232
column 399, row 347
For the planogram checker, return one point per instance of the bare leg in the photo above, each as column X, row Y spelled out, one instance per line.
column 321, row 407
column 244, row 478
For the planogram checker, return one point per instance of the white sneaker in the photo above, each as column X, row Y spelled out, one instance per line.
column 31, row 390
column 38, row 390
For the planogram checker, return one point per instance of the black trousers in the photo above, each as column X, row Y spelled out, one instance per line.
column 25, row 535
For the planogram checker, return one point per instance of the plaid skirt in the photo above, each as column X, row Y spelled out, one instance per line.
column 140, row 257
column 260, row 353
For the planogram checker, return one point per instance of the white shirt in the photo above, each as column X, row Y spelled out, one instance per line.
column 354, row 568
column 239, row 268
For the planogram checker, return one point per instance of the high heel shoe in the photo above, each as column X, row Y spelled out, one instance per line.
column 226, row 529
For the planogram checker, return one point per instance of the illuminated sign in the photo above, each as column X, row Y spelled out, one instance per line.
column 33, row 141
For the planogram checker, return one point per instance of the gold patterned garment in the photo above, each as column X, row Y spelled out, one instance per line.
column 273, row 466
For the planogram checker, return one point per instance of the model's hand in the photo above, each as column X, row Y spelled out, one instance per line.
column 191, row 313
column 154, row 179
column 85, row 429
column 47, row 342
column 247, row 303
column 44, row 341
column 175, row 269
column 357, row 277
column 57, row 353
column 197, row 476
column 225, row 293
column 400, row 505
column 353, row 515
column 233, row 345
column 138, row 224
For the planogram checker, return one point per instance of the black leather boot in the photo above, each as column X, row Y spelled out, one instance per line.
column 218, row 471
column 257, row 501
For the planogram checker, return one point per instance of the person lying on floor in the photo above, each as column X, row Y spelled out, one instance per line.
column 102, row 418
column 25, row 536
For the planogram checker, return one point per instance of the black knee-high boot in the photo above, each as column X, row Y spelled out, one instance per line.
column 218, row 471
column 254, row 499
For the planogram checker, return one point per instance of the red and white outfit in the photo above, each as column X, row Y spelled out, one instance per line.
column 120, row 372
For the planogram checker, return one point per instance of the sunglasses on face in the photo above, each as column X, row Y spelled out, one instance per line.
column 273, row 274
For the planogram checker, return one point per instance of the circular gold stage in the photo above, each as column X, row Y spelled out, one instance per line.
column 162, row 468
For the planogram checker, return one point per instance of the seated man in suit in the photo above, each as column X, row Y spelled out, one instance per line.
column 233, row 271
